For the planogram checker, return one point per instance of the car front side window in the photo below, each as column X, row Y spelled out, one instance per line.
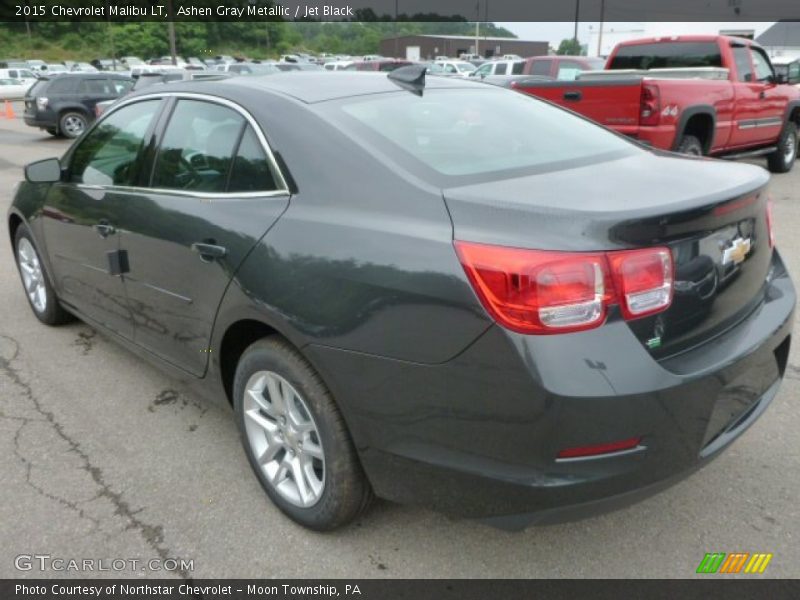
column 109, row 155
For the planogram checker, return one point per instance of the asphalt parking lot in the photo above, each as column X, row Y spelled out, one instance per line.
column 106, row 458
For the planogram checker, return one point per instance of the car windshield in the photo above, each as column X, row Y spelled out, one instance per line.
column 460, row 134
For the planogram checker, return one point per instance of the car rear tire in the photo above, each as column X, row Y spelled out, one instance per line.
column 690, row 145
column 295, row 438
column 72, row 124
column 782, row 160
column 35, row 281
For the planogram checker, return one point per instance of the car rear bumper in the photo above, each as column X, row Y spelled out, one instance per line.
column 478, row 436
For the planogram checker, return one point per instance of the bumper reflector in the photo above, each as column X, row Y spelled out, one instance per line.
column 598, row 449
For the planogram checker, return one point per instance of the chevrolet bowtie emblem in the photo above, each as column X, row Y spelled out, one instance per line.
column 736, row 253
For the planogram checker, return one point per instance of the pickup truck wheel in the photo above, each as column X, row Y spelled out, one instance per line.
column 690, row 145
column 782, row 160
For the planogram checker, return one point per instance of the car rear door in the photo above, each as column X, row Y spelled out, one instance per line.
column 214, row 192
column 80, row 215
column 92, row 90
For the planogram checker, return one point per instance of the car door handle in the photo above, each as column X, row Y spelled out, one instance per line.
column 762, row 94
column 104, row 228
column 572, row 96
column 209, row 252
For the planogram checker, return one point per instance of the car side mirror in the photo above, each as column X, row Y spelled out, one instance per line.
column 43, row 171
column 780, row 79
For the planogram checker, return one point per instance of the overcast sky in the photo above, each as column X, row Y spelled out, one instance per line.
column 557, row 31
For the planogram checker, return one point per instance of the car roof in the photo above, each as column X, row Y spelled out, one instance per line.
column 315, row 86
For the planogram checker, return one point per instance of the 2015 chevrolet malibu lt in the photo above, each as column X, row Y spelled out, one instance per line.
column 437, row 292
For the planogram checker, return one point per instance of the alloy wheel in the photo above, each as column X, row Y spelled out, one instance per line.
column 74, row 126
column 32, row 274
column 284, row 438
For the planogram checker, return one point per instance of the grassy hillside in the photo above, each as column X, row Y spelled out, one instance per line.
column 85, row 41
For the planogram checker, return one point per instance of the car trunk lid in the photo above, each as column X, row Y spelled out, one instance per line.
column 712, row 216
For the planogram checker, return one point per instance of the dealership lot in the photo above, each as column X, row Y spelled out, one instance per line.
column 106, row 458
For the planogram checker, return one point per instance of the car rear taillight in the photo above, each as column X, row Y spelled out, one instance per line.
column 649, row 105
column 643, row 280
column 544, row 292
column 770, row 230
column 41, row 103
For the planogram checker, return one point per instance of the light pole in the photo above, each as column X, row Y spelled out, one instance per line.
column 171, row 31
column 600, row 33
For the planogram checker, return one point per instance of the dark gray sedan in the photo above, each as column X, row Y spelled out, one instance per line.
column 444, row 293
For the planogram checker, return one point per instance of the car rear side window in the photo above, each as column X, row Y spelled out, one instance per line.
column 95, row 87
column 62, row 85
column 109, row 154
column 197, row 148
column 667, row 55
column 251, row 170
column 517, row 67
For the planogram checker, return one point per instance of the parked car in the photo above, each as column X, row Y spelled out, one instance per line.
column 422, row 321
column 562, row 68
column 286, row 66
column 454, row 68
column 337, row 65
column 702, row 95
column 64, row 105
column 26, row 76
column 56, row 68
column 384, row 64
column 84, row 67
column 105, row 64
column 553, row 67
column 787, row 68
column 245, row 68
column 13, row 63
column 131, row 61
column 12, row 89
column 36, row 65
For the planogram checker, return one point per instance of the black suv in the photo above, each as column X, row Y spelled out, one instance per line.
column 64, row 104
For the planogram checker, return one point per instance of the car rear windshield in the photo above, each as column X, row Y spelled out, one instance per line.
column 667, row 55
column 36, row 88
column 455, row 136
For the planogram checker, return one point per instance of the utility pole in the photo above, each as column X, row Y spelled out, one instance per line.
column 600, row 34
column 396, row 41
column 111, row 39
column 171, row 30
column 477, row 26
column 577, row 16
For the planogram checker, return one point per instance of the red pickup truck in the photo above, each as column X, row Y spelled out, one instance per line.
column 709, row 95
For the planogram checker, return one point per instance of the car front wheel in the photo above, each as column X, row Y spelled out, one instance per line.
column 782, row 160
column 296, row 439
column 35, row 281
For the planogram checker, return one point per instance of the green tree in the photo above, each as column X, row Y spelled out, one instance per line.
column 570, row 47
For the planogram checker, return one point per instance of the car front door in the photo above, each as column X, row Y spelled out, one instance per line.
column 80, row 215
column 755, row 118
column 214, row 192
column 774, row 98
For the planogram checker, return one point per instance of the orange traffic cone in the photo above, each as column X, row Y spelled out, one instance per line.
column 9, row 110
